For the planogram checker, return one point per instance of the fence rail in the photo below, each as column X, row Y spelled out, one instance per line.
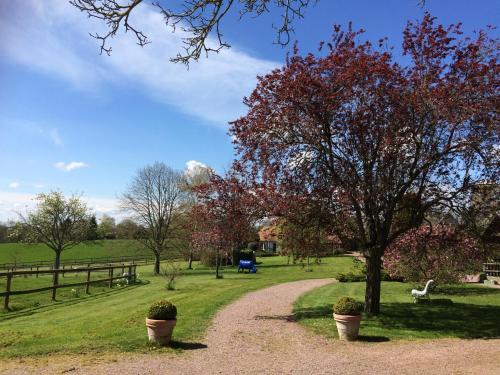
column 36, row 265
column 130, row 276
column 492, row 269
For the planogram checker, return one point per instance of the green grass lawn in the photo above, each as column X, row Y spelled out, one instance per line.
column 463, row 311
column 113, row 320
column 29, row 253
column 24, row 301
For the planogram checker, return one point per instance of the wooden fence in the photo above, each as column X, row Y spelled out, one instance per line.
column 492, row 269
column 47, row 264
column 131, row 278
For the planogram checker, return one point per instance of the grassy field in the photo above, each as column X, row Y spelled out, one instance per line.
column 27, row 253
column 464, row 311
column 25, row 301
column 113, row 320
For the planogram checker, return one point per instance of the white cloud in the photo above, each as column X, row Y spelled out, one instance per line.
column 13, row 203
column 52, row 37
column 194, row 168
column 39, row 186
column 14, row 185
column 67, row 167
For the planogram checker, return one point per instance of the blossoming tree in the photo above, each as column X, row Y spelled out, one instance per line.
column 362, row 132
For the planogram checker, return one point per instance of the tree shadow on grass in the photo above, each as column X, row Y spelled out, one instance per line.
column 457, row 319
column 434, row 319
column 460, row 290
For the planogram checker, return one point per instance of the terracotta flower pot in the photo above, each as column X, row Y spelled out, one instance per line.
column 348, row 326
column 160, row 331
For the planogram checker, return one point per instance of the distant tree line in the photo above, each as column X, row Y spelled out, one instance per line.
column 104, row 228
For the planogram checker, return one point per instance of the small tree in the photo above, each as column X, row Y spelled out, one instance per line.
column 223, row 217
column 107, row 227
column 171, row 271
column 127, row 229
column 194, row 177
column 92, row 233
column 58, row 222
column 153, row 198
column 440, row 253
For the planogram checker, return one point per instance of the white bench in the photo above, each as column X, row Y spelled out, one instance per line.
column 416, row 294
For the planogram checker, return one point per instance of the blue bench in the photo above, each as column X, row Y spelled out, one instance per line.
column 247, row 265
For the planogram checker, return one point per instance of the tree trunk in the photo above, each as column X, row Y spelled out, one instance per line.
column 216, row 264
column 157, row 263
column 57, row 264
column 372, row 293
column 190, row 261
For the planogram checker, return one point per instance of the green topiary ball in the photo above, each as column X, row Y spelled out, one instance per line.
column 348, row 306
column 162, row 310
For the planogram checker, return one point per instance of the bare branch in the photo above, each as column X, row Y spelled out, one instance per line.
column 114, row 15
column 198, row 18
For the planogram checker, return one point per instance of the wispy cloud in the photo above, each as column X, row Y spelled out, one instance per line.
column 67, row 167
column 55, row 137
column 51, row 37
column 14, row 185
column 13, row 203
column 39, row 186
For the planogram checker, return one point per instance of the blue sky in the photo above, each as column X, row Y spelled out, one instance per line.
column 73, row 120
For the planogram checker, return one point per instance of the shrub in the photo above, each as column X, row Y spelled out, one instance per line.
column 254, row 246
column 171, row 271
column 208, row 258
column 350, row 277
column 348, row 306
column 162, row 310
column 440, row 253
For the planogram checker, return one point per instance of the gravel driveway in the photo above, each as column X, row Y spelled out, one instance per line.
column 255, row 335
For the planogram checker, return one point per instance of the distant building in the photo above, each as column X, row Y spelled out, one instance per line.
column 269, row 236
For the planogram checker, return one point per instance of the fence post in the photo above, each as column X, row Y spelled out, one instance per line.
column 7, row 292
column 54, row 284
column 37, row 269
column 87, row 287
column 63, row 273
column 135, row 273
column 111, row 277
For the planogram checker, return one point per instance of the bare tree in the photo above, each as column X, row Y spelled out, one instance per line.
column 57, row 222
column 193, row 178
column 198, row 18
column 153, row 198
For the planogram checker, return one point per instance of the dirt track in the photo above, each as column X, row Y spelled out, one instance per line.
column 254, row 335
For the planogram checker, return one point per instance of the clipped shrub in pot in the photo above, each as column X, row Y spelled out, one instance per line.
column 160, row 322
column 347, row 315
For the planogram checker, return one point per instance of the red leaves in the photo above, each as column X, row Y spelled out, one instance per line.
column 224, row 214
column 374, row 131
column 440, row 253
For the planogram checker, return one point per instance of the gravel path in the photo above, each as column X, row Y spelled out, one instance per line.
column 255, row 335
